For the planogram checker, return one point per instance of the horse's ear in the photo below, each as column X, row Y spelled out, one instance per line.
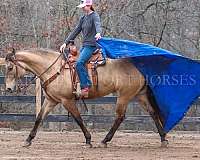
column 13, row 51
column 11, row 56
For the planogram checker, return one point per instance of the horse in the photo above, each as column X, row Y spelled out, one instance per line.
column 117, row 76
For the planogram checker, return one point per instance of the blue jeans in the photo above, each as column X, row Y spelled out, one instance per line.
column 85, row 55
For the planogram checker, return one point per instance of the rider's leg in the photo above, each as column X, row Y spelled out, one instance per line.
column 85, row 55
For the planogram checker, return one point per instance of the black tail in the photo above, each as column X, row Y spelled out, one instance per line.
column 153, row 103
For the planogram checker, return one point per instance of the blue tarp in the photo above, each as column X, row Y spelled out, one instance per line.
column 173, row 79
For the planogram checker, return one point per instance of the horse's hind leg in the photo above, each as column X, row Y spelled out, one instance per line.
column 143, row 99
column 46, row 108
column 120, row 115
column 71, row 108
column 164, row 141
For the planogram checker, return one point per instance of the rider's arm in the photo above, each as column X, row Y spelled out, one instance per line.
column 97, row 23
column 75, row 32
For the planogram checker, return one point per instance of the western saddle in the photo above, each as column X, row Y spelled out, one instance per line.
column 71, row 55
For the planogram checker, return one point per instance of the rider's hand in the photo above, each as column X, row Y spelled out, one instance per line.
column 62, row 48
column 98, row 36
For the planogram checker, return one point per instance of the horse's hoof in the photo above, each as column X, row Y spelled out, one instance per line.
column 27, row 144
column 164, row 144
column 88, row 146
column 103, row 145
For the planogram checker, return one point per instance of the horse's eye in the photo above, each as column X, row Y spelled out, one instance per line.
column 10, row 68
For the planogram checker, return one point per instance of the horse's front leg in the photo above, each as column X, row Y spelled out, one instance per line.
column 120, row 115
column 46, row 108
column 70, row 106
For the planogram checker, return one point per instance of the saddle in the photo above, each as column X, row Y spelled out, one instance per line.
column 71, row 56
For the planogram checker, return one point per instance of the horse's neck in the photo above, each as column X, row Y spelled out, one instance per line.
column 36, row 63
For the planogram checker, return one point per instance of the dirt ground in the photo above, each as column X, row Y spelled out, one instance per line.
column 125, row 146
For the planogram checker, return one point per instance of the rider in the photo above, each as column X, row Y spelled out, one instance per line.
column 90, row 26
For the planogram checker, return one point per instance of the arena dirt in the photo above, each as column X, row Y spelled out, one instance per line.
column 125, row 146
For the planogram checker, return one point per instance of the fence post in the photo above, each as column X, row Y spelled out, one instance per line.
column 38, row 94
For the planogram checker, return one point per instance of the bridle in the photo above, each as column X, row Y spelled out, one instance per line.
column 12, row 58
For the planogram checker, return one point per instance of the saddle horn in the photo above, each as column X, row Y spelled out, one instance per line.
column 72, row 42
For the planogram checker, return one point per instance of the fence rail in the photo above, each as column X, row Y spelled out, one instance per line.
column 87, row 118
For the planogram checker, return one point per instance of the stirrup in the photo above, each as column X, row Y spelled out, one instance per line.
column 77, row 91
column 81, row 94
column 77, row 94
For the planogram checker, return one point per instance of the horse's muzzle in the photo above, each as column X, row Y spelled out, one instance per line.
column 9, row 90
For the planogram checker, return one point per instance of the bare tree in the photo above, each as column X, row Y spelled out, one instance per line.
column 170, row 24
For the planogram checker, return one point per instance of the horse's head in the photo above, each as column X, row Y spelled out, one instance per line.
column 13, row 72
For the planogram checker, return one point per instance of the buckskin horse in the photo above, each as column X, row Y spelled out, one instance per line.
column 119, row 76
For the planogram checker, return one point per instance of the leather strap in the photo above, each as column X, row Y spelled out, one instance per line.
column 52, row 78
